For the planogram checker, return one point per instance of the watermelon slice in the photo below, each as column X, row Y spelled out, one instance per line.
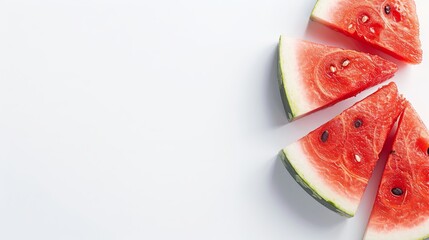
column 389, row 25
column 313, row 76
column 401, row 208
column 334, row 162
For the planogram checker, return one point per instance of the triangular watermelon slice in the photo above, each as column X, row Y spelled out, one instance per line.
column 389, row 25
column 313, row 76
column 401, row 208
column 334, row 162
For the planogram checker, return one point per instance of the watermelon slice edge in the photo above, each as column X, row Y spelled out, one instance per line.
column 314, row 76
column 334, row 162
column 396, row 32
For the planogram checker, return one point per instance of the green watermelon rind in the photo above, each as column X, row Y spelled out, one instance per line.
column 317, row 8
column 378, row 238
column 309, row 189
column 314, row 9
column 287, row 104
column 425, row 237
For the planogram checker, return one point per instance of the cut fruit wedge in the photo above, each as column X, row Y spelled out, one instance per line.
column 401, row 208
column 334, row 162
column 389, row 25
column 313, row 76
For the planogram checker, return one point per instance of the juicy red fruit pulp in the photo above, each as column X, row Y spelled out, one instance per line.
column 391, row 26
column 338, row 74
column 407, row 169
column 346, row 148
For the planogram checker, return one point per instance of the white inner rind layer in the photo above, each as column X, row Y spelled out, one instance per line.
column 291, row 79
column 323, row 11
column 415, row 233
column 304, row 168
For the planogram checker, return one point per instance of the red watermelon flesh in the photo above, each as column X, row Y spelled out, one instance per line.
column 389, row 25
column 313, row 76
column 401, row 208
column 334, row 162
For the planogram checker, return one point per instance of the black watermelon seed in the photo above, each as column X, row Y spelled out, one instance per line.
column 397, row 191
column 392, row 152
column 324, row 136
column 358, row 123
column 387, row 9
column 427, row 151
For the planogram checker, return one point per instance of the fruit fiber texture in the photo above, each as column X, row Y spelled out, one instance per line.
column 401, row 208
column 313, row 76
column 389, row 25
column 334, row 162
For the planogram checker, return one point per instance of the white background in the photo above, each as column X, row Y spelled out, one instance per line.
column 161, row 120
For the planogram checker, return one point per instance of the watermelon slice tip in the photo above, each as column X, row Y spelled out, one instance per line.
column 401, row 207
column 314, row 76
column 390, row 26
column 334, row 162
